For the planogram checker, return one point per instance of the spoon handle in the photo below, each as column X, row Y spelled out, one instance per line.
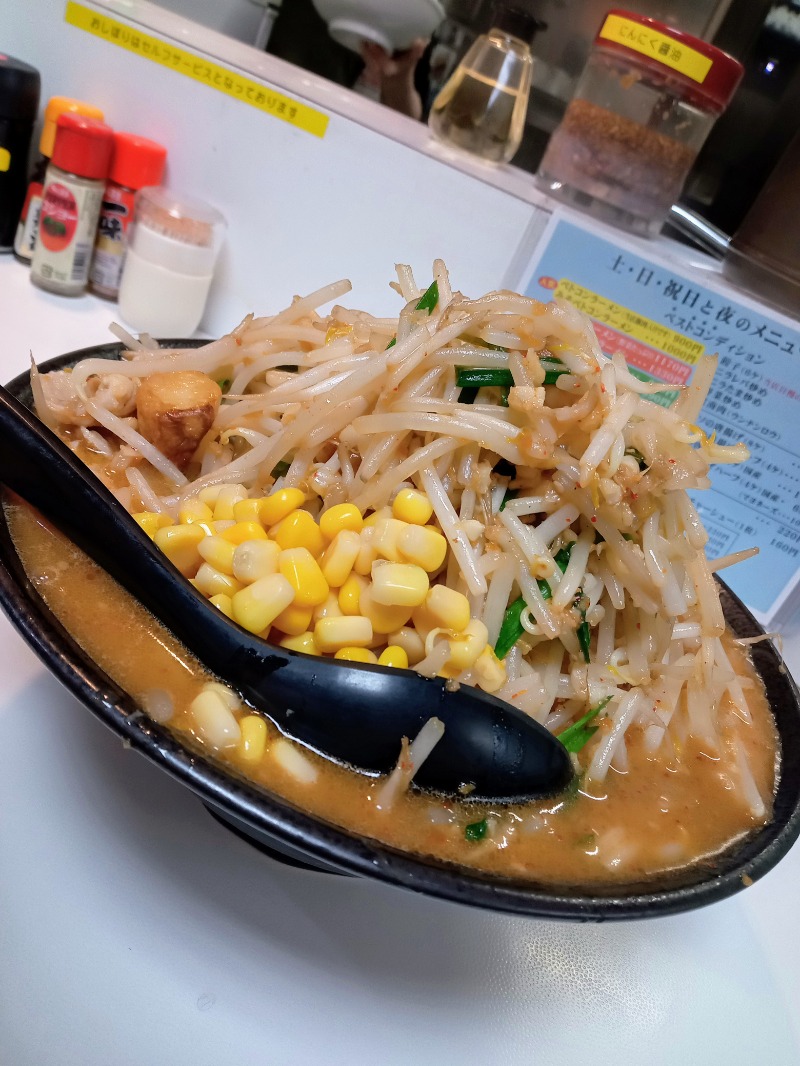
column 353, row 713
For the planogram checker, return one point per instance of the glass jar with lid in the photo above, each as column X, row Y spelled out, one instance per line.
column 643, row 107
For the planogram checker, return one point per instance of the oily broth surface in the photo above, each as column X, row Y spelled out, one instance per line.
column 656, row 817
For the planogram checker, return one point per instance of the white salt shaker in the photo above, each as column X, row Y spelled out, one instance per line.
column 169, row 263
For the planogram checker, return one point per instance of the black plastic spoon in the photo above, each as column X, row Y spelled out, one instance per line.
column 352, row 713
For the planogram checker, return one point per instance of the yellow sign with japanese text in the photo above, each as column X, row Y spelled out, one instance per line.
column 670, row 51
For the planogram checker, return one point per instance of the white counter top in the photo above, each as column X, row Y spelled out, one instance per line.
column 136, row 931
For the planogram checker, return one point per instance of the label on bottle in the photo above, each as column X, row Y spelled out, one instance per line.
column 67, row 227
column 116, row 214
column 668, row 51
column 28, row 225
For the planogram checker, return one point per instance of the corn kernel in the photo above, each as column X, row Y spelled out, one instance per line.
column 412, row 506
column 350, row 594
column 302, row 571
column 409, row 641
column 275, row 507
column 357, row 655
column 254, row 559
column 150, row 521
column 180, row 545
column 367, row 553
column 331, row 634
column 422, row 545
column 491, row 674
column 239, row 532
column 214, row 720
column 399, row 584
column 218, row 552
column 298, row 530
column 384, row 618
column 377, row 516
column 223, row 603
column 338, row 559
column 195, row 511
column 328, row 609
column 248, row 510
column 385, row 540
column 212, row 582
column 394, row 655
column 468, row 645
column 227, row 497
column 423, row 621
column 294, row 620
column 253, row 739
column 448, row 608
column 228, row 696
column 304, row 643
column 257, row 606
column 209, row 495
column 342, row 516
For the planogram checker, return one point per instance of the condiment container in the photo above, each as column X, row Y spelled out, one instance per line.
column 28, row 226
column 73, row 192
column 19, row 106
column 482, row 106
column 136, row 163
column 643, row 107
column 173, row 246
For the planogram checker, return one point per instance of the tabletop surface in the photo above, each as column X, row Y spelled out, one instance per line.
column 135, row 930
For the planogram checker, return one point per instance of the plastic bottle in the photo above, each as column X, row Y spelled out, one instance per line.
column 136, row 163
column 28, row 226
column 482, row 106
column 19, row 105
column 172, row 249
column 73, row 192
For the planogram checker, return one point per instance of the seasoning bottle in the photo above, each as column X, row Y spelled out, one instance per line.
column 19, row 105
column 643, row 107
column 73, row 192
column 28, row 226
column 482, row 106
column 136, row 163
column 172, row 249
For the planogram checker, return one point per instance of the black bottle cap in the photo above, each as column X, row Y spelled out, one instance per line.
column 19, row 89
column 517, row 21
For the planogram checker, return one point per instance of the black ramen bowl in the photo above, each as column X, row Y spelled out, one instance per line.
column 276, row 825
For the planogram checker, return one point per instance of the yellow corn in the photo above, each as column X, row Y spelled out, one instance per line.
column 223, row 602
column 377, row 516
column 275, row 507
column 294, row 620
column 491, row 673
column 350, row 594
column 342, row 516
column 394, row 655
column 212, row 582
column 304, row 642
column 209, row 495
column 239, row 532
column 338, row 559
column 448, row 608
column 302, row 571
column 367, row 553
column 328, row 609
column 422, row 545
column 218, row 552
column 257, row 606
column 468, row 645
column 409, row 641
column 180, row 545
column 253, row 739
column 331, row 634
column 254, row 559
column 195, row 510
column 298, row 530
column 387, row 535
column 412, row 506
column 423, row 621
column 248, row 510
column 214, row 720
column 150, row 521
column 357, row 655
column 228, row 496
column 384, row 618
column 399, row 584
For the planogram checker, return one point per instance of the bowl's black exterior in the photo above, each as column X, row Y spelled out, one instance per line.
column 266, row 818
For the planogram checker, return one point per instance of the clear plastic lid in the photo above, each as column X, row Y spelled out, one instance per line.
column 176, row 232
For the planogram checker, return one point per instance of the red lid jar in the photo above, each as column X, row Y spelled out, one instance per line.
column 83, row 146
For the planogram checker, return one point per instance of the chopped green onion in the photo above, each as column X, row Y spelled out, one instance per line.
column 429, row 298
column 511, row 494
column 562, row 556
column 504, row 396
column 585, row 639
column 512, row 628
column 483, row 376
column 224, row 384
column 280, row 468
column 391, row 344
column 476, row 830
column 637, row 455
column 579, row 733
column 553, row 369
column 468, row 395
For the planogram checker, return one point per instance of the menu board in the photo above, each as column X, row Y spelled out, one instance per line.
column 664, row 320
